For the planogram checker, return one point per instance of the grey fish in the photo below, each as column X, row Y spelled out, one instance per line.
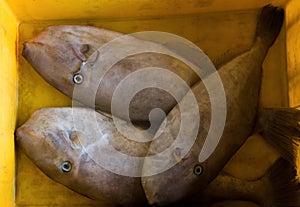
column 278, row 187
column 235, row 203
column 241, row 79
column 58, row 53
column 67, row 152
column 66, row 142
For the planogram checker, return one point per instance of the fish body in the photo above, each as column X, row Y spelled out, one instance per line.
column 68, row 153
column 241, row 79
column 235, row 204
column 277, row 187
column 59, row 52
column 65, row 143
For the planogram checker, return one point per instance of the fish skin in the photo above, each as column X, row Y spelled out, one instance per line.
column 278, row 187
column 54, row 52
column 235, row 203
column 241, row 79
column 48, row 139
column 58, row 52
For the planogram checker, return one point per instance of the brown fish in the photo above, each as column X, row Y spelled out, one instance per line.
column 178, row 172
column 278, row 187
column 71, row 146
column 235, row 203
column 62, row 55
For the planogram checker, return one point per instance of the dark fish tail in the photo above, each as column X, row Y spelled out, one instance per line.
column 269, row 24
column 281, row 129
column 284, row 187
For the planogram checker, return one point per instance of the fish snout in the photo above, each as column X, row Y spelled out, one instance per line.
column 20, row 134
column 24, row 137
column 26, row 50
column 154, row 198
column 31, row 49
column 24, row 134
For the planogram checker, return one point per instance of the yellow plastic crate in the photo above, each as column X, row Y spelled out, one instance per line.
column 222, row 28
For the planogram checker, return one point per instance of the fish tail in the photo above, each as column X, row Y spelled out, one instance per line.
column 280, row 127
column 269, row 24
column 283, row 185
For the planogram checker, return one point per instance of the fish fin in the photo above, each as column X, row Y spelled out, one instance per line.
column 284, row 185
column 281, row 129
column 269, row 24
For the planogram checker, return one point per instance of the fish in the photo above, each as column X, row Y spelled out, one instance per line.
column 192, row 170
column 277, row 187
column 235, row 203
column 60, row 52
column 67, row 143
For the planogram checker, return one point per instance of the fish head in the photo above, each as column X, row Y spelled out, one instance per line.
column 58, row 52
column 54, row 143
column 51, row 144
column 176, row 183
column 172, row 169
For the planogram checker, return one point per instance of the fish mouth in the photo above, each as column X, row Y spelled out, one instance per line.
column 30, row 49
column 154, row 198
column 26, row 50
column 161, row 193
column 24, row 134
column 154, row 201
column 27, row 137
column 24, row 138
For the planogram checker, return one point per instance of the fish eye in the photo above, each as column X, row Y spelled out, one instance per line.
column 77, row 78
column 65, row 166
column 198, row 170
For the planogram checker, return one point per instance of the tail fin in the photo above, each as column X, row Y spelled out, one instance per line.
column 281, row 129
column 284, row 186
column 269, row 24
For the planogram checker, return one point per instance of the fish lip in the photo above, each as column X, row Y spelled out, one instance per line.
column 23, row 138
column 26, row 50
column 19, row 134
column 155, row 202
column 29, row 46
column 157, row 197
column 23, row 133
column 153, row 199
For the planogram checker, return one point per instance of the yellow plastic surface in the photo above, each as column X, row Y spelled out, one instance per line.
column 8, row 100
column 221, row 28
column 84, row 9
column 293, row 57
column 293, row 51
column 200, row 29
